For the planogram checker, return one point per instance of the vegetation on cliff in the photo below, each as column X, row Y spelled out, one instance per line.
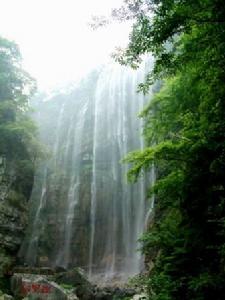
column 18, row 151
column 185, row 134
column 17, row 131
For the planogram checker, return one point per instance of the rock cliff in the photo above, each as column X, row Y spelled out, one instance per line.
column 15, row 186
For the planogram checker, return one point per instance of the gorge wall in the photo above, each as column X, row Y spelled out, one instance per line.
column 16, row 179
column 82, row 210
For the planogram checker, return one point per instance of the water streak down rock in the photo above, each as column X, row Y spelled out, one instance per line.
column 83, row 211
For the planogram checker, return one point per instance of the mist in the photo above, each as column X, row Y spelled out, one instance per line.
column 56, row 41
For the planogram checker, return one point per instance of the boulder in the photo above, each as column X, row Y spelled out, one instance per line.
column 72, row 277
column 77, row 279
column 36, row 287
column 111, row 293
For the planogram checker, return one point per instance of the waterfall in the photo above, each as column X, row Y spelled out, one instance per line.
column 36, row 226
column 84, row 212
column 116, row 131
column 73, row 190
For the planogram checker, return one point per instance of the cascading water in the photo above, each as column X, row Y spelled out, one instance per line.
column 73, row 191
column 116, row 131
column 34, row 237
column 91, row 217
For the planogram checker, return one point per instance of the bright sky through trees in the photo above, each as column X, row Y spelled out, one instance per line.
column 54, row 37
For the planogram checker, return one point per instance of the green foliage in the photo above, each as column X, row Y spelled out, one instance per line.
column 185, row 134
column 18, row 142
column 16, row 85
column 17, row 132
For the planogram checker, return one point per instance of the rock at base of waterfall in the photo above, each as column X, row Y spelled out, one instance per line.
column 77, row 279
column 86, row 290
column 36, row 287
column 73, row 277
column 110, row 293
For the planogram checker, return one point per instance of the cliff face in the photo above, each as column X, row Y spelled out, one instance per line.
column 82, row 210
column 16, row 180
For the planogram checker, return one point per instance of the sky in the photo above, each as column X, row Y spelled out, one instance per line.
column 56, row 42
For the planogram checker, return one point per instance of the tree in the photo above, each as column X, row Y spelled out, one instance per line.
column 16, row 87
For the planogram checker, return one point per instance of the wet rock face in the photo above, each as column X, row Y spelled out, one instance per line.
column 13, row 214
